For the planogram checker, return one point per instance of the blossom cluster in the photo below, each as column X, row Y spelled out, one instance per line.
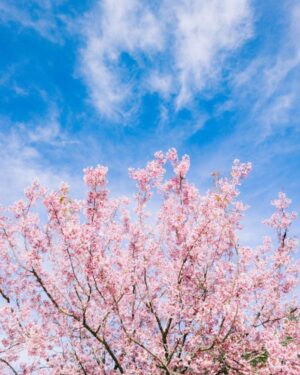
column 96, row 287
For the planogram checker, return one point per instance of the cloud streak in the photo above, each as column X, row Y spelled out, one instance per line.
column 22, row 158
column 270, row 82
column 38, row 15
column 175, row 48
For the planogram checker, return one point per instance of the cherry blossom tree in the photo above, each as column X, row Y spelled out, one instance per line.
column 108, row 286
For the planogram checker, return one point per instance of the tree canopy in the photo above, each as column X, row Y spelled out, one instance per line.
column 107, row 286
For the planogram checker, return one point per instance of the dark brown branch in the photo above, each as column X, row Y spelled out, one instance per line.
column 80, row 364
column 9, row 365
column 106, row 345
column 269, row 320
column 4, row 296
column 40, row 281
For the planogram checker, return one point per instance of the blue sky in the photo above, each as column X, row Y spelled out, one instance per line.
column 106, row 81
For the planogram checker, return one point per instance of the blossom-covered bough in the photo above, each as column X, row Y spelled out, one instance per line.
column 95, row 287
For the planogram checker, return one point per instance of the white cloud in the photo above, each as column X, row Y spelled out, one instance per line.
column 270, row 82
column 22, row 159
column 277, row 114
column 38, row 15
column 114, row 27
column 161, row 84
column 20, row 165
column 47, row 130
column 204, row 33
column 179, row 46
column 44, row 130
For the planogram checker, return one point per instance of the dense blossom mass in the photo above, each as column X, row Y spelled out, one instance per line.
column 114, row 286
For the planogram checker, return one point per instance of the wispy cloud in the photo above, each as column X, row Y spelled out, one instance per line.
column 111, row 29
column 270, row 82
column 7, row 79
column 173, row 47
column 38, row 15
column 44, row 130
column 205, row 32
column 22, row 158
column 20, row 165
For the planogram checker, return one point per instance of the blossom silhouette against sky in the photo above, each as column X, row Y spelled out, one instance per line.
column 110, row 82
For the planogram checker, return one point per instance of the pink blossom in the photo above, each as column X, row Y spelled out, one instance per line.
column 97, row 287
